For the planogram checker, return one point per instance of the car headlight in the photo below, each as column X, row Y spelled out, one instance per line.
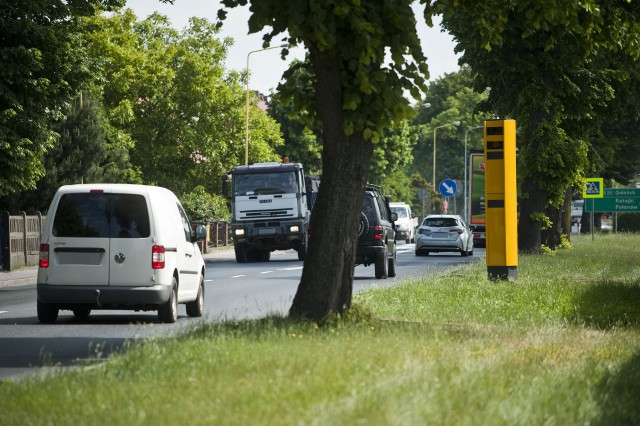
column 294, row 228
column 239, row 232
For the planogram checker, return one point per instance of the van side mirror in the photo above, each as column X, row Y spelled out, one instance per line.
column 413, row 215
column 201, row 233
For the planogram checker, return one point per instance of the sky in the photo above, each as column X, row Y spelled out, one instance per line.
column 266, row 67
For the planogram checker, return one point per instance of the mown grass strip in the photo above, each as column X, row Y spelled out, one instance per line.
column 561, row 345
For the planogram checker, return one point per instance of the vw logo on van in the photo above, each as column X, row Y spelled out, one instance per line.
column 119, row 258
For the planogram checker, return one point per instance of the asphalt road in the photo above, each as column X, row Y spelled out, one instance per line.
column 232, row 291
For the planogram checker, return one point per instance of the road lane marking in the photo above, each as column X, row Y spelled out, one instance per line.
column 238, row 276
column 297, row 268
column 266, row 272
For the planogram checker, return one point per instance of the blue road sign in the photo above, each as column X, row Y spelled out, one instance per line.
column 448, row 187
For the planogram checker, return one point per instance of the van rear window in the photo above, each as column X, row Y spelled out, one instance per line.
column 99, row 215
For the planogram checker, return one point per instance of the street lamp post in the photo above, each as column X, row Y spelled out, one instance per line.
column 466, row 157
column 246, row 123
column 455, row 123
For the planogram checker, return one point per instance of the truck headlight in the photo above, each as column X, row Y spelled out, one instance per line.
column 294, row 228
column 238, row 232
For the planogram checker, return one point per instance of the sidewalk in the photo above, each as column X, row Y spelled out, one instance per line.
column 28, row 275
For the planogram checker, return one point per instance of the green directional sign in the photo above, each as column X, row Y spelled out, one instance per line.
column 621, row 192
column 613, row 204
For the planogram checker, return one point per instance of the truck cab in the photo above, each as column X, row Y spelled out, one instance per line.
column 270, row 207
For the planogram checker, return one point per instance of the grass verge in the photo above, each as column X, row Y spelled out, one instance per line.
column 561, row 345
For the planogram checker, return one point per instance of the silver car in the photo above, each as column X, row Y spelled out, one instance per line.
column 444, row 233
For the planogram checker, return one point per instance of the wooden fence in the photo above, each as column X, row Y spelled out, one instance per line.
column 20, row 239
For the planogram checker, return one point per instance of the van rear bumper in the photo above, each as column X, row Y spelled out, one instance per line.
column 104, row 297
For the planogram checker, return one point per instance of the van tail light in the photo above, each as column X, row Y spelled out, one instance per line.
column 157, row 257
column 44, row 256
column 377, row 232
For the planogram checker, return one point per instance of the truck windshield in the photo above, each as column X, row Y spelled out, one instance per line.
column 400, row 211
column 265, row 183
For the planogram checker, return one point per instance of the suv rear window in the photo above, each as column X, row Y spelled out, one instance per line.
column 99, row 215
column 440, row 222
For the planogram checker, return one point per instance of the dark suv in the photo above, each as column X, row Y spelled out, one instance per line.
column 377, row 235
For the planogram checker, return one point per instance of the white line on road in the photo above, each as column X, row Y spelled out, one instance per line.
column 267, row 272
column 238, row 276
column 290, row 269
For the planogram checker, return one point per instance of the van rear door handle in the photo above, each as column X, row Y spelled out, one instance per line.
column 188, row 254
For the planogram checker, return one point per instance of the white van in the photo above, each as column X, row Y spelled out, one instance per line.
column 407, row 222
column 117, row 246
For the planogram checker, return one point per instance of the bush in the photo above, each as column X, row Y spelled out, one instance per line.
column 204, row 207
column 628, row 222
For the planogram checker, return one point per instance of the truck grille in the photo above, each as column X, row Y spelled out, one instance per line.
column 260, row 214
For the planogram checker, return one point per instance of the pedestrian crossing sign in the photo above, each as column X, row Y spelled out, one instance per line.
column 593, row 188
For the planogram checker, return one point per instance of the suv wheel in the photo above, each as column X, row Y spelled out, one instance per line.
column 382, row 262
column 391, row 272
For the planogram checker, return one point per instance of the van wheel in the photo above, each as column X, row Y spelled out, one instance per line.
column 82, row 313
column 168, row 311
column 196, row 308
column 47, row 312
column 382, row 262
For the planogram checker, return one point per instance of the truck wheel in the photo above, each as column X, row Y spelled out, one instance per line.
column 241, row 254
column 382, row 263
column 302, row 250
column 168, row 311
column 47, row 312
column 196, row 308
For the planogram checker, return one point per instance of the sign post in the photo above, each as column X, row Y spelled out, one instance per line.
column 593, row 188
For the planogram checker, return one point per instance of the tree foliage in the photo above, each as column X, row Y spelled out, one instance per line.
column 364, row 56
column 542, row 66
column 170, row 92
column 202, row 206
column 43, row 68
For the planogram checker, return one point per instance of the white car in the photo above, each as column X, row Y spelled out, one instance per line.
column 406, row 223
column 444, row 233
column 113, row 246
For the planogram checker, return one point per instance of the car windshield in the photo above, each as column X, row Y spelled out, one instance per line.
column 99, row 215
column 265, row 183
column 440, row 222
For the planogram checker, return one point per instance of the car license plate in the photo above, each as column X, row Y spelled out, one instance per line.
column 266, row 231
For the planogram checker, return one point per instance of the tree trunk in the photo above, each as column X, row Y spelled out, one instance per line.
column 566, row 213
column 551, row 236
column 327, row 278
column 533, row 200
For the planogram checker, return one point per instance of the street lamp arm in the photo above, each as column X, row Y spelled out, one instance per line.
column 455, row 123
column 246, row 118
